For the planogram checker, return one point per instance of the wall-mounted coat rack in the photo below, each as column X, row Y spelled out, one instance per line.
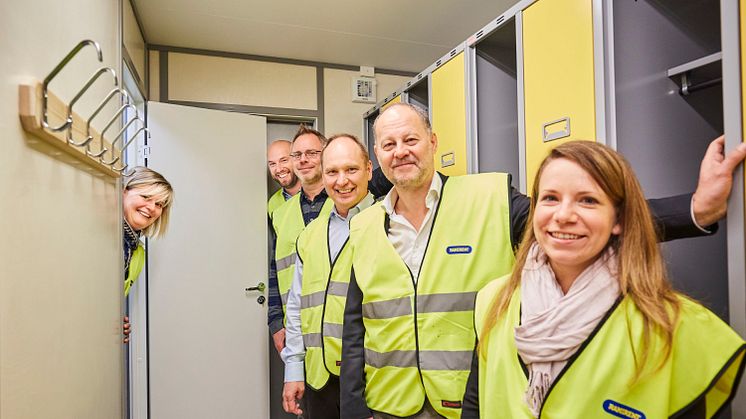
column 75, row 136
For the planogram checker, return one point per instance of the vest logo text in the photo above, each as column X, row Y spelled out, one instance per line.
column 458, row 250
column 621, row 411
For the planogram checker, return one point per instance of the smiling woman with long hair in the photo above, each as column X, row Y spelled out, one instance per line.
column 588, row 325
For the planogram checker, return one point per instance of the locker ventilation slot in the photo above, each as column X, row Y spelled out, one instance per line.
column 453, row 53
column 437, row 63
column 499, row 20
column 480, row 33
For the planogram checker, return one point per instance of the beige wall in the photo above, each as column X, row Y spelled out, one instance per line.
column 341, row 114
column 60, row 260
column 201, row 78
column 133, row 40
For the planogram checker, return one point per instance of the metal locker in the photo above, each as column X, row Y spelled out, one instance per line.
column 558, row 77
column 448, row 114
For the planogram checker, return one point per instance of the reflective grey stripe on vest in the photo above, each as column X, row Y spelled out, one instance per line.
column 286, row 262
column 284, row 298
column 446, row 360
column 401, row 359
column 312, row 340
column 429, row 360
column 338, row 288
column 312, row 300
column 387, row 309
column 440, row 303
column 332, row 330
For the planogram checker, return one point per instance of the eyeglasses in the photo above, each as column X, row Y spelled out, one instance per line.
column 310, row 154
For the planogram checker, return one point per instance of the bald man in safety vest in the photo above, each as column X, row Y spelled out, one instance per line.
column 315, row 306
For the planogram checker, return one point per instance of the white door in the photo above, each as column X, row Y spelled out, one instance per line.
column 207, row 336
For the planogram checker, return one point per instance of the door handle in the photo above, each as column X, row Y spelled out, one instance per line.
column 259, row 287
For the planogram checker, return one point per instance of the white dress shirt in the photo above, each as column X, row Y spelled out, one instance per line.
column 409, row 243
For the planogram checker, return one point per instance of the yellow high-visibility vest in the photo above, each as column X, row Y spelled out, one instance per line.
column 288, row 223
column 136, row 264
column 275, row 201
column 419, row 337
column 706, row 358
column 323, row 297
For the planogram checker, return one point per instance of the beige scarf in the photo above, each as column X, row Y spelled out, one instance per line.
column 554, row 324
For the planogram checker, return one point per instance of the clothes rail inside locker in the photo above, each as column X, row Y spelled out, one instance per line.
column 662, row 129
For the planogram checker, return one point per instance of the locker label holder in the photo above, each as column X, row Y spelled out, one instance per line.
column 548, row 134
column 448, row 159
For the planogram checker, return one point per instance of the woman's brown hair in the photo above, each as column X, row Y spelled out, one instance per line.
column 641, row 269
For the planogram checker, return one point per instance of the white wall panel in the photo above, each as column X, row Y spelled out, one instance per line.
column 341, row 114
column 60, row 259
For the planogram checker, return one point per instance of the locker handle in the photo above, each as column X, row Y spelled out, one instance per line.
column 448, row 159
column 554, row 135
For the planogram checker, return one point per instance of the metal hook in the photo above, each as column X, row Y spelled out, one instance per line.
column 106, row 128
column 52, row 75
column 95, row 113
column 113, row 143
column 80, row 93
column 121, row 169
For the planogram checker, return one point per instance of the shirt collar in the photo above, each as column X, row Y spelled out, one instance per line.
column 367, row 201
column 320, row 197
column 286, row 194
column 433, row 194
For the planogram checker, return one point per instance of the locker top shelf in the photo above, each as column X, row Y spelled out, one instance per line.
column 696, row 64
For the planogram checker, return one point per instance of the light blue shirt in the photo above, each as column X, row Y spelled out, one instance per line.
column 294, row 352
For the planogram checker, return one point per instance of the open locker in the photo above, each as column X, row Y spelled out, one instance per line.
column 495, row 97
column 418, row 92
column 369, row 119
column 664, row 128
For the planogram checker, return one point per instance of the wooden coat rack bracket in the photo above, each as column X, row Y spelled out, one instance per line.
column 30, row 97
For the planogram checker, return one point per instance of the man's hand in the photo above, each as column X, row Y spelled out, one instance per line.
column 279, row 339
column 710, row 200
column 126, row 329
column 292, row 393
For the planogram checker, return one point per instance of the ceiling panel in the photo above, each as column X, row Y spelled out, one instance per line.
column 403, row 35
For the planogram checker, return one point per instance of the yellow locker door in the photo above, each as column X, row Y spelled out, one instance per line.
column 448, row 114
column 559, row 95
column 397, row 99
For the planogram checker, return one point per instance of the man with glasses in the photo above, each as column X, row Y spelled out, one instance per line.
column 290, row 219
column 281, row 169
